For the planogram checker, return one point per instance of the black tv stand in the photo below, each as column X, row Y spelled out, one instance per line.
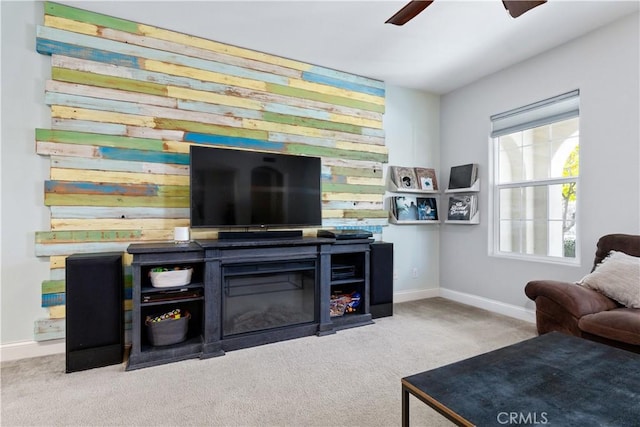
column 260, row 235
column 256, row 273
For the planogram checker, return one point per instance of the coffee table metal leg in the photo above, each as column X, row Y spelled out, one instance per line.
column 405, row 407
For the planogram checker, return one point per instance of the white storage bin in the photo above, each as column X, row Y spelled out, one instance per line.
column 171, row 278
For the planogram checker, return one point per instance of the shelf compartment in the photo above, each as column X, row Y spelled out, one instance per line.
column 475, row 188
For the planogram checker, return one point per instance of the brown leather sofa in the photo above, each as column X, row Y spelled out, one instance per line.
column 576, row 310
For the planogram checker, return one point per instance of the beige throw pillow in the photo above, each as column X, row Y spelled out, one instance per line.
column 618, row 277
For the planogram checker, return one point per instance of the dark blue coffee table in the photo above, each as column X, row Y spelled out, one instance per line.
column 553, row 380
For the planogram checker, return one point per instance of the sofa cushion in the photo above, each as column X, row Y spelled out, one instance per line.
column 620, row 324
column 618, row 277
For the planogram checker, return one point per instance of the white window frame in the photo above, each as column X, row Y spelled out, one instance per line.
column 559, row 108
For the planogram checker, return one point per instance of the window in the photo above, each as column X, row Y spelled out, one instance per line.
column 536, row 151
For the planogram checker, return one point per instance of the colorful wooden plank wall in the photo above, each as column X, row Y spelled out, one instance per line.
column 127, row 100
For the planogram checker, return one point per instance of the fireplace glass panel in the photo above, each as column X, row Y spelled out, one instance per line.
column 270, row 295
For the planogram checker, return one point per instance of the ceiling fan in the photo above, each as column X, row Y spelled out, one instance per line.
column 414, row 7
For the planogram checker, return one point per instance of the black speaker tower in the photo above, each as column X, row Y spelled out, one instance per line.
column 94, row 311
column 381, row 279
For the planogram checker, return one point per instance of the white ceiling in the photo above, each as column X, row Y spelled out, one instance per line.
column 450, row 44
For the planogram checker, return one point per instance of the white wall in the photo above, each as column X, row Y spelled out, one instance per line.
column 412, row 134
column 604, row 65
column 23, row 173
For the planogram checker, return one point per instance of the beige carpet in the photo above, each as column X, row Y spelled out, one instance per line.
column 351, row 378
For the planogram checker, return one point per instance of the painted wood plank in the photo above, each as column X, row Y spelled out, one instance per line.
column 342, row 84
column 107, row 81
column 332, row 90
column 87, row 126
column 205, row 128
column 117, row 228
column 365, row 172
column 71, row 25
column 58, row 174
column 164, row 134
column 342, row 205
column 223, row 110
column 69, row 12
column 115, row 129
column 213, row 98
column 79, row 234
column 371, row 148
column 205, row 75
column 301, row 139
column 105, row 93
column 57, row 311
column 131, row 108
column 57, row 274
column 352, row 197
column 93, row 188
column 358, row 180
column 302, row 130
column 57, row 262
column 50, row 47
column 348, row 188
column 53, row 199
column 49, row 329
column 59, row 111
column 362, row 214
column 86, row 138
column 112, row 153
column 77, row 248
column 348, row 77
column 231, row 141
column 354, row 223
column 309, row 122
column 324, row 97
column 72, row 150
column 98, row 164
column 93, row 212
column 53, row 286
column 333, row 152
column 49, row 300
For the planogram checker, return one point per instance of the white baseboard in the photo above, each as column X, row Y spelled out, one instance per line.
column 490, row 305
column 413, row 295
column 27, row 349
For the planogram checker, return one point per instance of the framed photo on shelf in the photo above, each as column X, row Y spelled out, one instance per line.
column 405, row 208
column 427, row 208
column 462, row 208
column 405, row 178
column 427, row 179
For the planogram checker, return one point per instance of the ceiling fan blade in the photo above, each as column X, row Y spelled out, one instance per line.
column 518, row 7
column 408, row 12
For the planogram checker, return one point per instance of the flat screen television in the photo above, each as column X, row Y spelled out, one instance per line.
column 246, row 189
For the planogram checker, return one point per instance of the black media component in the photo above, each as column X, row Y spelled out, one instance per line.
column 260, row 235
column 381, row 279
column 236, row 188
column 345, row 234
column 94, row 311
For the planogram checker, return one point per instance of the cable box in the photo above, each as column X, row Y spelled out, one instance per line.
column 345, row 234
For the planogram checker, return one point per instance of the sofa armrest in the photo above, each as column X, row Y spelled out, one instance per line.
column 575, row 299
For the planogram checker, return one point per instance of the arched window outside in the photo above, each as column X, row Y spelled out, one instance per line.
column 536, row 181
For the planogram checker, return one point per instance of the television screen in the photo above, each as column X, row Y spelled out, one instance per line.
column 235, row 188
